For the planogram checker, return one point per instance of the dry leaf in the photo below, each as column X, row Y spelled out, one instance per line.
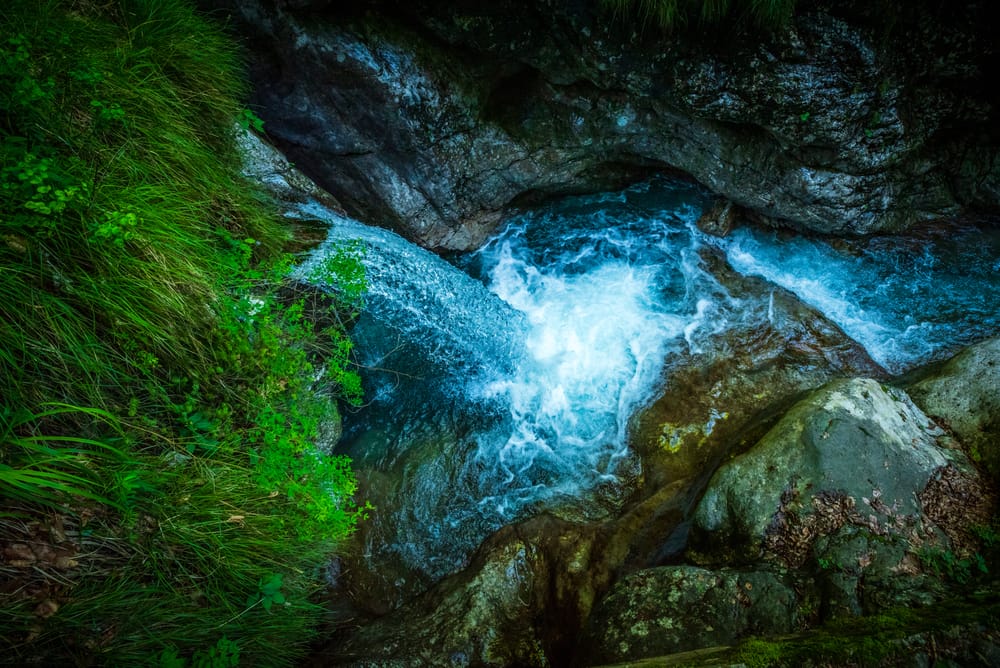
column 46, row 608
column 66, row 562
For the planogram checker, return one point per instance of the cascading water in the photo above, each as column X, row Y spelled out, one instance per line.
column 488, row 404
column 907, row 300
column 608, row 286
column 503, row 387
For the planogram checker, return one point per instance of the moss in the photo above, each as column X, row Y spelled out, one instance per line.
column 878, row 639
column 758, row 653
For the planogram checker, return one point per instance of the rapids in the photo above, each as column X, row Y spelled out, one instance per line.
column 500, row 383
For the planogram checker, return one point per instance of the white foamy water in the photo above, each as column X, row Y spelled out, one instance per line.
column 505, row 388
column 501, row 384
column 605, row 299
column 907, row 300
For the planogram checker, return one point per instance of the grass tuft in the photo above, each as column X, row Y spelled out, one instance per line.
column 672, row 14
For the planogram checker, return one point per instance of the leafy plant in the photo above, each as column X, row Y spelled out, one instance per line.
column 268, row 592
column 946, row 563
column 247, row 119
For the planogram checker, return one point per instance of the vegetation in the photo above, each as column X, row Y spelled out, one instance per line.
column 879, row 639
column 161, row 499
column 668, row 14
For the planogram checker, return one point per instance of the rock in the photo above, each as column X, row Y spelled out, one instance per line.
column 719, row 219
column 679, row 608
column 864, row 572
column 962, row 394
column 432, row 118
column 729, row 389
column 265, row 165
column 480, row 618
column 523, row 600
column 853, row 452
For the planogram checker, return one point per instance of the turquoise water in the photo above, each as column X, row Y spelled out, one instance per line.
column 500, row 384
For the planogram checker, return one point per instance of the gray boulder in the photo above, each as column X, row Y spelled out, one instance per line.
column 853, row 452
column 964, row 395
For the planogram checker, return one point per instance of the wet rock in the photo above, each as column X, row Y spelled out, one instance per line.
column 859, row 571
column 729, row 389
column 523, row 600
column 433, row 118
column 520, row 602
column 962, row 395
column 853, row 452
column 679, row 608
column 719, row 219
column 482, row 617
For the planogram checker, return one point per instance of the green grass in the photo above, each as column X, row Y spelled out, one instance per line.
column 158, row 392
column 670, row 14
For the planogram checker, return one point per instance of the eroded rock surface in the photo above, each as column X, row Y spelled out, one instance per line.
column 825, row 517
column 431, row 118
column 852, row 447
column 723, row 395
column 679, row 608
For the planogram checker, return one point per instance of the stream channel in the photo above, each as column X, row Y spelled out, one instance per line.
column 500, row 383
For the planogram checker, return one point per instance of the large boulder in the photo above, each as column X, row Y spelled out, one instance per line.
column 722, row 394
column 854, row 452
column 432, row 117
column 522, row 600
column 963, row 394
column 839, row 510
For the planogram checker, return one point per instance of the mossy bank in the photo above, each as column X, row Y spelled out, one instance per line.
column 161, row 499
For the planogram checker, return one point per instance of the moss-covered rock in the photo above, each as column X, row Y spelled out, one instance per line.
column 723, row 395
column 679, row 608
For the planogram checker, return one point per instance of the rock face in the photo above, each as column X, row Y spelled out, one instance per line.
column 265, row 165
column 521, row 602
column 823, row 518
column 719, row 396
column 433, row 117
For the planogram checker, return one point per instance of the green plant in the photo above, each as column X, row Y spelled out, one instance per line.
column 268, row 592
column 247, row 119
column 161, row 396
column 829, row 564
column 987, row 533
column 668, row 14
column 946, row 563
column 224, row 654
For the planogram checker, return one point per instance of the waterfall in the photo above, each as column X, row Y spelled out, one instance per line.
column 501, row 384
column 906, row 299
